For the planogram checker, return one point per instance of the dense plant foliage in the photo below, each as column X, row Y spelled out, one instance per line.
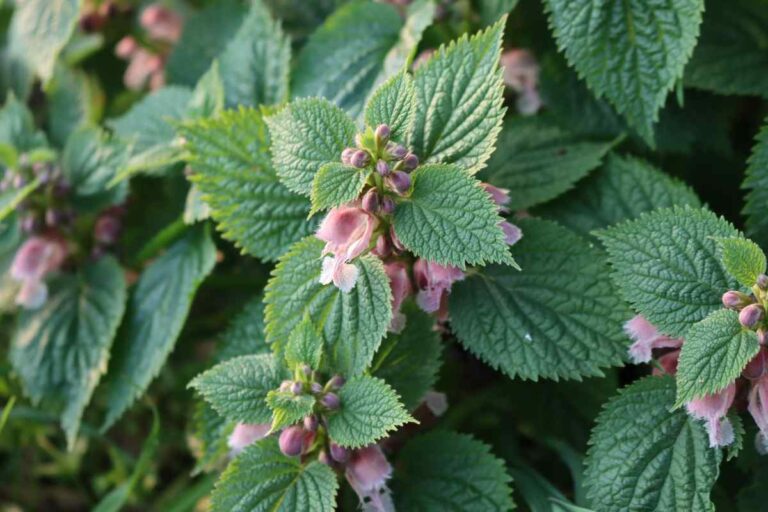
column 413, row 255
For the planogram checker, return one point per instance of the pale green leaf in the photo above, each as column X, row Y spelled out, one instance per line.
column 263, row 479
column 306, row 135
column 304, row 346
column 645, row 457
column 459, row 94
column 715, row 352
column 352, row 324
column 419, row 15
column 369, row 410
column 336, row 184
column 449, row 218
column 208, row 96
column 17, row 127
column 74, row 100
column 742, row 258
column 12, row 197
column 61, row 350
column 666, row 265
column 557, row 318
column 393, row 104
column 288, row 408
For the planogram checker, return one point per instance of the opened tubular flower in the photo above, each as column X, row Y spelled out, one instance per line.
column 367, row 472
column 347, row 232
column 646, row 338
column 713, row 408
column 38, row 256
column 244, row 435
column 758, row 407
column 401, row 286
column 434, row 282
column 521, row 74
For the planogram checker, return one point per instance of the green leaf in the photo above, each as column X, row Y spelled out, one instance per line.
column 558, row 318
column 630, row 52
column 450, row 219
column 245, row 335
column 410, row 361
column 491, row 10
column 370, row 409
column 645, row 457
column 158, row 309
column 734, row 449
column 538, row 161
column 61, row 350
column 715, row 352
column 238, row 388
column 336, row 184
column 756, row 182
column 666, row 265
column 304, row 346
column 40, row 29
column 262, row 478
column 205, row 36
column 306, row 135
column 419, row 15
column 74, row 100
column 11, row 198
column 730, row 57
column 17, row 127
column 195, row 208
column 352, row 324
column 742, row 258
column 230, row 159
column 621, row 190
column 288, row 408
column 208, row 97
column 256, row 62
column 449, row 471
column 344, row 58
column 459, row 93
column 393, row 104
column 209, row 436
column 89, row 163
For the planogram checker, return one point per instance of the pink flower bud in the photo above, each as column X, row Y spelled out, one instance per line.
column 370, row 201
column 367, row 472
column 410, row 162
column 360, row 159
column 387, row 205
column 399, row 181
column 161, row 23
column 646, row 338
column 762, row 282
column 310, row 423
column 397, row 151
column 500, row 196
column 126, row 47
column 246, row 434
column 335, row 382
column 383, row 132
column 382, row 168
column 107, row 229
column 339, row 453
column 512, row 233
column 735, row 300
column 346, row 155
column 713, row 409
column 291, row 441
column 297, row 388
column 400, row 283
column 751, row 316
column 316, row 388
column 433, row 282
column 330, row 401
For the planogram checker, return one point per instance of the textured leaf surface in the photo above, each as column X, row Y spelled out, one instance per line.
column 393, row 104
column 621, row 190
column 344, row 57
column 450, row 219
column 731, row 56
column 40, row 29
column 557, row 318
column 306, row 135
column 159, row 307
column 305, row 346
column 410, row 361
column 631, row 52
column 336, row 184
column 666, row 265
column 245, row 335
column 73, row 101
column 743, row 259
column 263, row 479
column 61, row 350
column 238, row 388
column 17, row 127
column 715, row 352
column 537, row 161
column 255, row 64
column 646, row 457
column 459, row 93
column 353, row 324
column 288, row 408
column 232, row 168
column 450, row 471
column 370, row 409
column 756, row 182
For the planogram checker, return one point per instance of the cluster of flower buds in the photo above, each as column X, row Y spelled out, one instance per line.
column 751, row 307
column 146, row 62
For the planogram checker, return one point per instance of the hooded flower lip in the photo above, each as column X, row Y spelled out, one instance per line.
column 433, row 281
column 38, row 256
column 401, row 286
column 758, row 407
column 347, row 232
column 646, row 338
column 713, row 408
column 246, row 434
column 367, row 472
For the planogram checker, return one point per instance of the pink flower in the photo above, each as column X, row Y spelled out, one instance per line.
column 512, row 233
column 668, row 363
column 758, row 406
column 161, row 23
column 521, row 74
column 367, row 472
column 434, row 282
column 436, row 402
column 500, row 196
column 401, row 287
column 758, row 366
column 712, row 409
column 347, row 232
column 646, row 338
column 142, row 69
column 246, row 434
column 126, row 47
column 36, row 257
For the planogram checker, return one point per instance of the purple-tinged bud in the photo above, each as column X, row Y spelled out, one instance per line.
column 297, row 388
column 396, row 243
column 382, row 168
column 762, row 337
column 398, row 151
column 306, row 370
column 324, row 458
column 762, row 282
column 316, row 388
column 751, row 316
column 383, row 247
column 53, row 217
column 291, row 440
column 331, row 401
column 410, row 162
column 19, row 181
column 400, row 182
column 285, row 386
column 346, row 155
column 339, row 453
column 371, row 201
column 107, row 229
column 383, row 132
column 335, row 382
column 387, row 205
column 735, row 300
column 360, row 159
column 310, row 423
column 30, row 223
